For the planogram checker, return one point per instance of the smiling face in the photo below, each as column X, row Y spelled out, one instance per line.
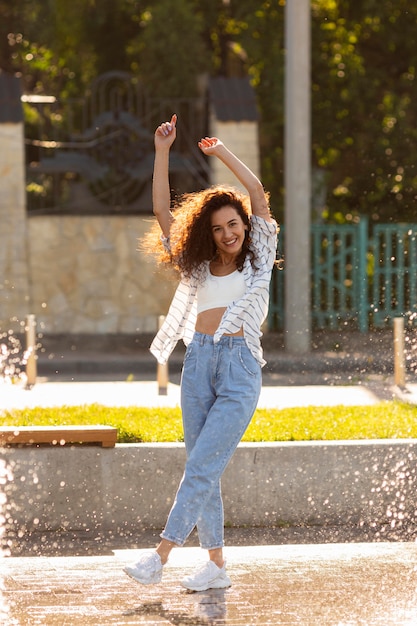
column 228, row 230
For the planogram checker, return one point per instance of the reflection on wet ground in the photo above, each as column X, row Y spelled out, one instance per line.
column 313, row 585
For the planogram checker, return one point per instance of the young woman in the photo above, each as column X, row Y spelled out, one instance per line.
column 223, row 242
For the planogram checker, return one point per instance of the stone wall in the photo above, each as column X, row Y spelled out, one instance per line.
column 14, row 288
column 87, row 275
column 242, row 139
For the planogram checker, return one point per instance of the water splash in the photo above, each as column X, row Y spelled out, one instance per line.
column 11, row 357
column 14, row 358
column 6, row 476
column 410, row 341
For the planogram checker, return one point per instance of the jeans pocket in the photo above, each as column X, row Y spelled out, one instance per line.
column 188, row 352
column 248, row 361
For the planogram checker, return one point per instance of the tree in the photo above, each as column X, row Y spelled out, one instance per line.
column 48, row 44
column 246, row 38
column 364, row 118
column 169, row 53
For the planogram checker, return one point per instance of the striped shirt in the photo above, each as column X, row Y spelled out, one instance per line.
column 249, row 312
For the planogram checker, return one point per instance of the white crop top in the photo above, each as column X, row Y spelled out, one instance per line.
column 220, row 291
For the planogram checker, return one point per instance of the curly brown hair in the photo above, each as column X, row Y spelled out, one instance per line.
column 191, row 239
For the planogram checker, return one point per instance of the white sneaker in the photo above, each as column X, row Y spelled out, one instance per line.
column 147, row 571
column 207, row 577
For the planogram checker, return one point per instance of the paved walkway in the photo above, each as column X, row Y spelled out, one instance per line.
column 313, row 585
column 146, row 393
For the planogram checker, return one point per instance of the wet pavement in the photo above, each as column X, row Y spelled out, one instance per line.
column 309, row 585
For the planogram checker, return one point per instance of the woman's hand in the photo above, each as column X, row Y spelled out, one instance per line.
column 210, row 145
column 252, row 184
column 166, row 133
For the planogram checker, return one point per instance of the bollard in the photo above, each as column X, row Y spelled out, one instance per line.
column 399, row 353
column 162, row 369
column 31, row 366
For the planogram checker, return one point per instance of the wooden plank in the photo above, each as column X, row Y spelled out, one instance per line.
column 106, row 436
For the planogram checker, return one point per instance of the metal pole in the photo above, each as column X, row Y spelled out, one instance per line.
column 297, row 153
column 162, row 369
column 399, row 352
column 31, row 365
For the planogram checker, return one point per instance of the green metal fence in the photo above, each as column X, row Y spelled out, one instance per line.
column 394, row 277
column 360, row 276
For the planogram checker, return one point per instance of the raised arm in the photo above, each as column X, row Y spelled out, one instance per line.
column 165, row 136
column 259, row 203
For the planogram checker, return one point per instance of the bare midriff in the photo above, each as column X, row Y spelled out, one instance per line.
column 208, row 322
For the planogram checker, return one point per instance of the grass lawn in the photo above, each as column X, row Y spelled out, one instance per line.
column 142, row 424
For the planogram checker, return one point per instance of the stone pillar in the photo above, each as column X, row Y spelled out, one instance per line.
column 233, row 116
column 14, row 284
column 242, row 138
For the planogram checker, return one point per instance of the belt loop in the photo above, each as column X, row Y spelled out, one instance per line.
column 202, row 338
column 230, row 342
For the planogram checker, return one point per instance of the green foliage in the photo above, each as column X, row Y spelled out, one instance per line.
column 170, row 51
column 263, row 39
column 382, row 421
column 364, row 86
column 142, row 424
column 364, row 119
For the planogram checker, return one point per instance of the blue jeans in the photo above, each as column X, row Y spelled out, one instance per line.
column 220, row 387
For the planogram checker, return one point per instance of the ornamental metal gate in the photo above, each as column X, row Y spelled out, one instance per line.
column 94, row 155
column 360, row 276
